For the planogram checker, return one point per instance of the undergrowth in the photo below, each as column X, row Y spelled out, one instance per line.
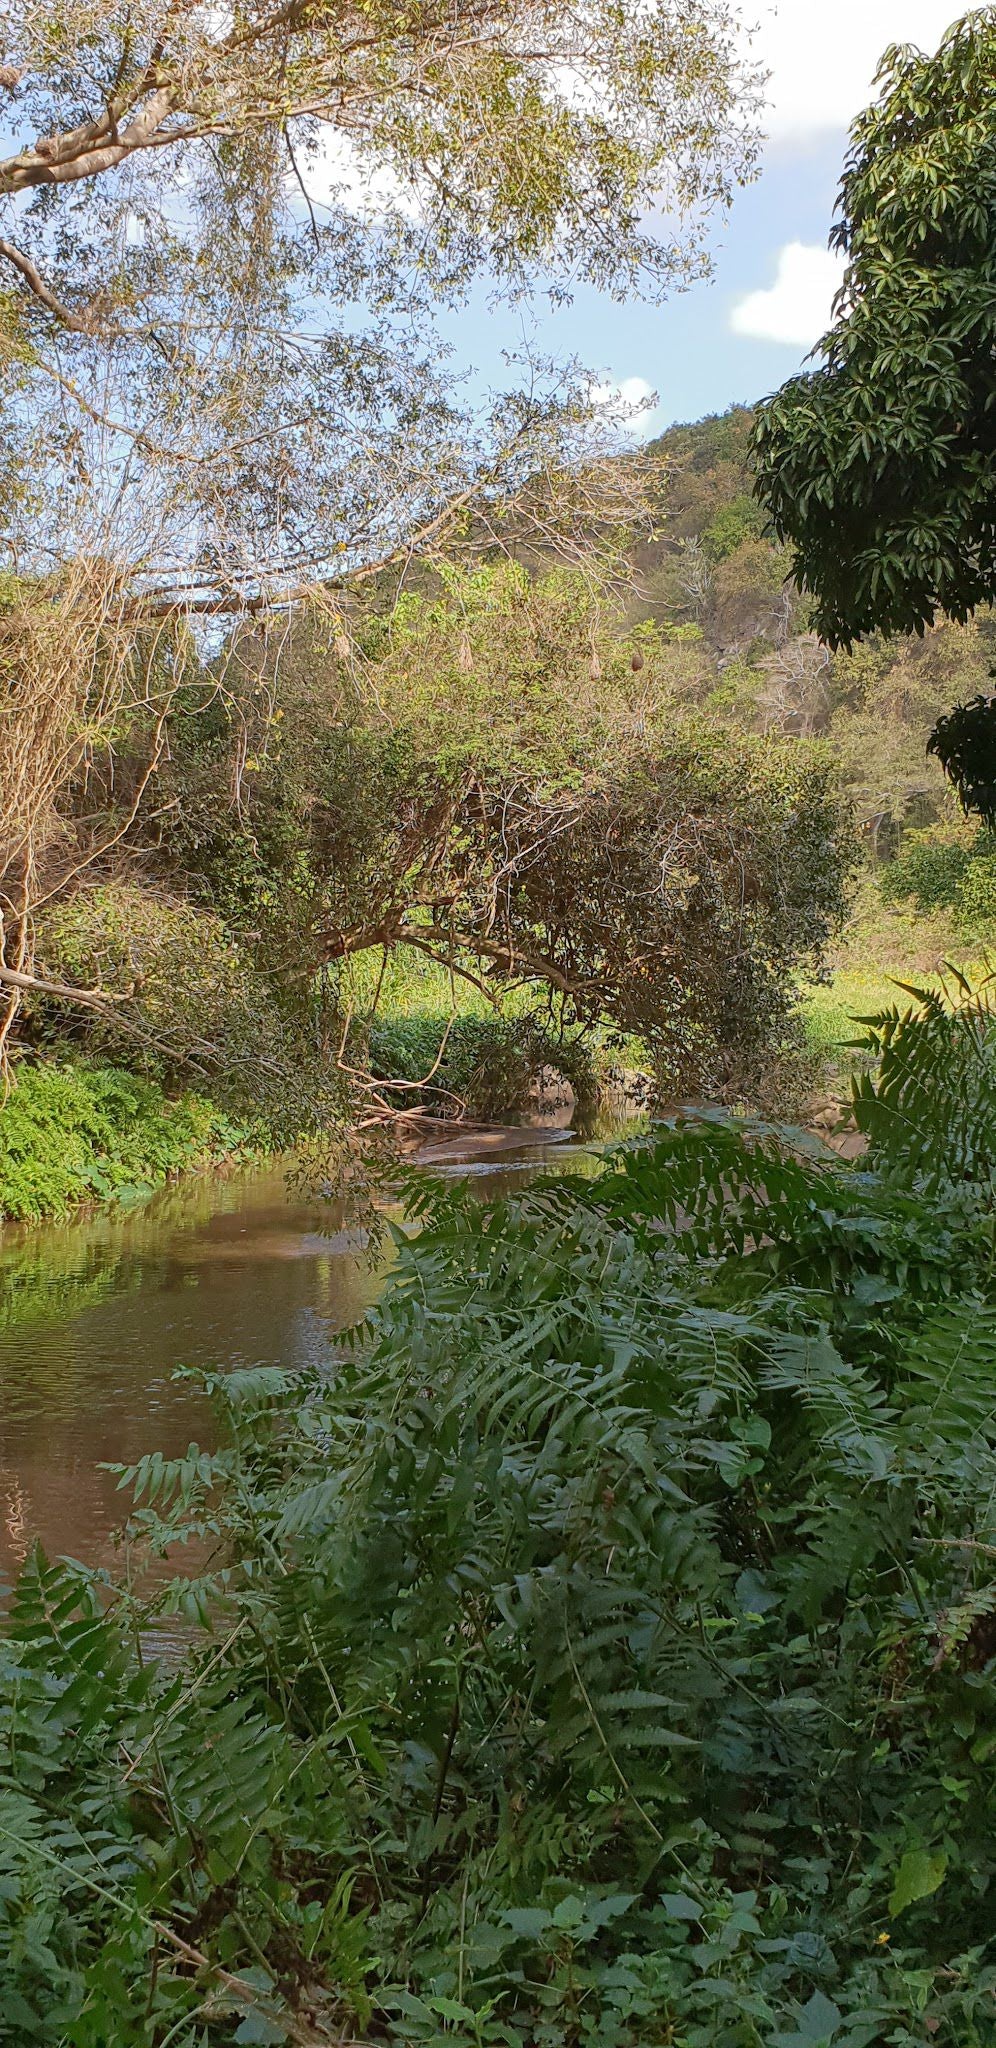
column 429, row 1025
column 482, row 1066
column 602, row 1656
column 78, row 1132
column 886, row 941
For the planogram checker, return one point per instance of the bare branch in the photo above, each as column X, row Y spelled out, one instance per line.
column 60, row 159
column 78, row 323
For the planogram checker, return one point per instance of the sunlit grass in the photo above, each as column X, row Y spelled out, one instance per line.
column 412, row 989
column 409, row 985
column 828, row 1013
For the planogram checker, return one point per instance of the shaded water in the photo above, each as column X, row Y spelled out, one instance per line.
column 96, row 1315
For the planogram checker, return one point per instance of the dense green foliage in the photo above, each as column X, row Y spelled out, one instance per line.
column 877, row 467
column 484, row 1065
column 933, row 1113
column 602, row 1655
column 965, row 744
column 950, row 871
column 229, row 236
column 72, row 1133
column 188, row 1004
column 357, row 808
column 741, row 642
column 930, row 871
column 494, row 775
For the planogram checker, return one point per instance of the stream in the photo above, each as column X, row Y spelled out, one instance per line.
column 221, row 1270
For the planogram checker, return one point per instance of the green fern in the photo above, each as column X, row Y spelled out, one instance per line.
column 582, row 1661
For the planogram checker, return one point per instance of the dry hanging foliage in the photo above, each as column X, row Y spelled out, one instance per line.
column 71, row 673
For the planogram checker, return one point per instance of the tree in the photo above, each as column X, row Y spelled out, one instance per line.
column 228, row 230
column 225, row 234
column 879, row 468
column 495, row 779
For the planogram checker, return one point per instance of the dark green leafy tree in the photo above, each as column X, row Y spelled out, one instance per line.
column 499, row 780
column 879, row 468
column 965, row 744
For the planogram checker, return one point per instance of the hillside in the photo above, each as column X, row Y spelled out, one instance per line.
column 715, row 585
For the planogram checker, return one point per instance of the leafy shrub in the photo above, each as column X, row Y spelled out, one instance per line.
column 485, row 1064
column 739, row 520
column 194, row 991
column 77, row 1133
column 928, row 1104
column 929, row 870
column 976, row 899
column 940, row 872
column 197, row 1008
column 603, row 1656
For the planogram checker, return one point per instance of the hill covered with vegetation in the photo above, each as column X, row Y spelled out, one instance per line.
column 716, row 583
column 743, row 651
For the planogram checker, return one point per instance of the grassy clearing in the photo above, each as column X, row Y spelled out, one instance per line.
column 828, row 1013
column 409, row 985
column 884, row 946
column 490, row 1052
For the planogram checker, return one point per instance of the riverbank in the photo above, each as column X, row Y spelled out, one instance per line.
column 73, row 1133
column 536, row 1638
column 76, row 1132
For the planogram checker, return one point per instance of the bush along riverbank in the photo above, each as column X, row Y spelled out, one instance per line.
column 603, row 1654
column 79, row 1132
column 72, row 1133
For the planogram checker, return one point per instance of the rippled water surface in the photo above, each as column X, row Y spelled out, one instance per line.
column 96, row 1315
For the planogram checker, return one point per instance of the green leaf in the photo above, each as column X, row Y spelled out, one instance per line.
column 920, row 1873
column 528, row 1920
column 257, row 2028
column 678, row 1906
column 819, row 2018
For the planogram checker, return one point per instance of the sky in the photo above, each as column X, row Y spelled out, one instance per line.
column 739, row 336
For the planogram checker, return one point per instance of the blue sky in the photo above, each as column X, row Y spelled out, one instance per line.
column 740, row 335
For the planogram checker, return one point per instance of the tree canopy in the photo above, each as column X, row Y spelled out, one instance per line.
column 879, row 467
column 493, row 778
column 224, row 233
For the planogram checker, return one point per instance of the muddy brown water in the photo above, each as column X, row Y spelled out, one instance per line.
column 223, row 1271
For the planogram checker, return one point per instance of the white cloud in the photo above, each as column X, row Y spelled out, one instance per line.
column 632, row 401
column 343, row 176
column 822, row 59
column 796, row 309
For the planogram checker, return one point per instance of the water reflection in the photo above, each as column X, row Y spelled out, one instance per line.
column 96, row 1315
